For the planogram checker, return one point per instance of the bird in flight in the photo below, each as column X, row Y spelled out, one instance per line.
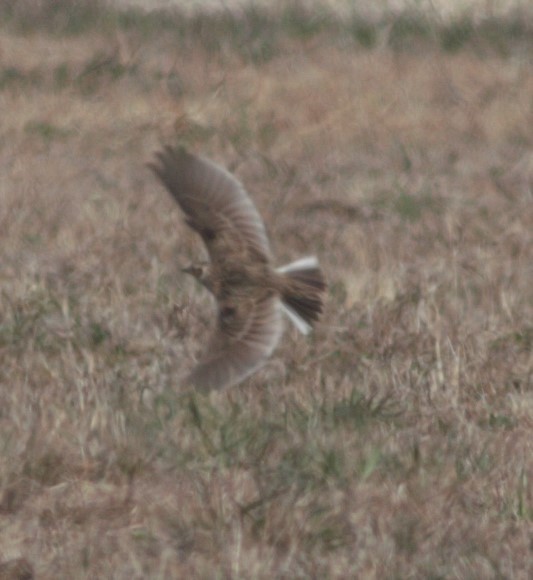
column 251, row 294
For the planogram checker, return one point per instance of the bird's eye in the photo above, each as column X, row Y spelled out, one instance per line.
column 227, row 312
column 208, row 234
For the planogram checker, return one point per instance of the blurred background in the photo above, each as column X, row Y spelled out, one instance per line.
column 391, row 139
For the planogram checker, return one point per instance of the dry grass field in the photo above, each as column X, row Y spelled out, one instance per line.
column 397, row 440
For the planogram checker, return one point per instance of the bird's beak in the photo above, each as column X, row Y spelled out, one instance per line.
column 187, row 270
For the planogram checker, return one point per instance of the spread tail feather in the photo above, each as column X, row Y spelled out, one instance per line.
column 302, row 292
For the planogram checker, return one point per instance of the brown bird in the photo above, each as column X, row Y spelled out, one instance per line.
column 251, row 294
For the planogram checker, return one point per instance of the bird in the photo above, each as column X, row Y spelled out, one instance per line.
column 251, row 294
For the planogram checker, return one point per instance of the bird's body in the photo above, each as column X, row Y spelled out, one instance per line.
column 250, row 293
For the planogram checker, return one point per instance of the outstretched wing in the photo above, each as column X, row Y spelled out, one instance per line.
column 248, row 330
column 215, row 204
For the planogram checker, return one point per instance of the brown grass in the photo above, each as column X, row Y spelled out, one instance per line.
column 396, row 442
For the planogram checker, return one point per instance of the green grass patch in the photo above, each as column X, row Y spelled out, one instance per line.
column 258, row 34
column 46, row 131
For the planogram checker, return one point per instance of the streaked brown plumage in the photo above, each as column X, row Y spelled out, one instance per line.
column 251, row 294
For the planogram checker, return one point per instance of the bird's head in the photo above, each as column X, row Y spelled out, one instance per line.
column 200, row 271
